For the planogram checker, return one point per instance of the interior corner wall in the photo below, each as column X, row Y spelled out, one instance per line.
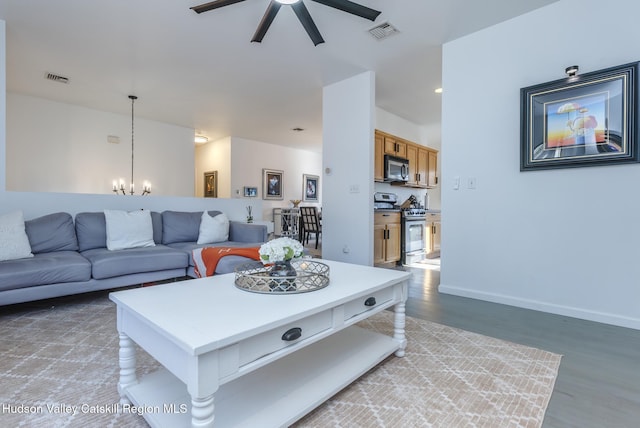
column 250, row 157
column 214, row 156
column 68, row 150
column 348, row 120
column 563, row 241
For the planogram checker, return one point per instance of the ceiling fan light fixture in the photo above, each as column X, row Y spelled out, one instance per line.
column 287, row 1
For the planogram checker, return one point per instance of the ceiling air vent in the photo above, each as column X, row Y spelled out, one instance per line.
column 56, row 78
column 383, row 31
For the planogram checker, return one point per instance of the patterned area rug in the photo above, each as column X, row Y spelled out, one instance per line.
column 59, row 368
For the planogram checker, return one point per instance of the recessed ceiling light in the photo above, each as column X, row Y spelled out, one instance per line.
column 200, row 139
column 438, row 91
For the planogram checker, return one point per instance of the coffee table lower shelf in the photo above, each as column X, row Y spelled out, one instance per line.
column 274, row 395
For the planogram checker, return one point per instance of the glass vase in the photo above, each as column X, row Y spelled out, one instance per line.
column 283, row 276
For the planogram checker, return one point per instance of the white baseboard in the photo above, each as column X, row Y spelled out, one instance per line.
column 601, row 317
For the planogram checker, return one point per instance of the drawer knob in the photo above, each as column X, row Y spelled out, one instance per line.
column 292, row 334
column 371, row 301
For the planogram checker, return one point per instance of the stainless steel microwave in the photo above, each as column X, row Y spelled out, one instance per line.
column 395, row 169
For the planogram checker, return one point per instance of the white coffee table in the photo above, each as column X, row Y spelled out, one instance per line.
column 259, row 359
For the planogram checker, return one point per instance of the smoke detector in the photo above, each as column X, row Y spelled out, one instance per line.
column 382, row 31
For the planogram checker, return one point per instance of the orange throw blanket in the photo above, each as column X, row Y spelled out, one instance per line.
column 205, row 260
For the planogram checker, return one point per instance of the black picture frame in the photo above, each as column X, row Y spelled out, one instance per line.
column 272, row 184
column 310, row 187
column 585, row 120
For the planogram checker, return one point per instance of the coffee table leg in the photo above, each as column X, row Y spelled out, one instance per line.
column 202, row 412
column 127, row 359
column 398, row 328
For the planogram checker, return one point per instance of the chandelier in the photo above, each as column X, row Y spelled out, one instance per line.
column 119, row 186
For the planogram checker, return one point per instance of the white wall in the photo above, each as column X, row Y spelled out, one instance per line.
column 564, row 241
column 36, row 204
column 249, row 157
column 348, row 120
column 214, row 156
column 57, row 147
column 3, row 105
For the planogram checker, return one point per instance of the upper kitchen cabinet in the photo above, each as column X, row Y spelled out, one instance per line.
column 394, row 146
column 378, row 168
column 423, row 161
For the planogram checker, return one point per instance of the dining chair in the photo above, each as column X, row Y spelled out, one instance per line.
column 310, row 224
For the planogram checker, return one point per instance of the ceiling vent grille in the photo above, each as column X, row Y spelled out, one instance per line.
column 56, row 78
column 383, row 31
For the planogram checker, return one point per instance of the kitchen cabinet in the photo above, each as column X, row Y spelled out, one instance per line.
column 386, row 238
column 432, row 169
column 378, row 169
column 422, row 166
column 432, row 237
column 423, row 161
column 394, row 146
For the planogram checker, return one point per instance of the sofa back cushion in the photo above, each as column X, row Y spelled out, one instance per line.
column 181, row 226
column 91, row 229
column 52, row 232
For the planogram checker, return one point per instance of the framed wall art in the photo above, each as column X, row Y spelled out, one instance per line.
column 272, row 184
column 311, row 188
column 250, row 192
column 211, row 184
column 584, row 120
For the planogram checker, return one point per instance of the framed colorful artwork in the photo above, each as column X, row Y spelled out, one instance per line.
column 584, row 120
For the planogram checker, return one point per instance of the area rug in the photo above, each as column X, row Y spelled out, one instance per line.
column 59, row 368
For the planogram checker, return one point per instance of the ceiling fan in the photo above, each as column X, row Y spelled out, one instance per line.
column 301, row 12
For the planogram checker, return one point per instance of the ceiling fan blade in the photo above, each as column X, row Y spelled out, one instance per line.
column 267, row 19
column 213, row 5
column 351, row 7
column 303, row 15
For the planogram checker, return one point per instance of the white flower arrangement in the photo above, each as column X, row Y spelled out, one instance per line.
column 280, row 249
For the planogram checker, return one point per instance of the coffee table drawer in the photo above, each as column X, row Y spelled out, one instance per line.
column 253, row 348
column 368, row 302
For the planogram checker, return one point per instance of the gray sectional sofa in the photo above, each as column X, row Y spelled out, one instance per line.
column 71, row 257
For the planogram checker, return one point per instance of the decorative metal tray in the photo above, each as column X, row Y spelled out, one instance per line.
column 258, row 278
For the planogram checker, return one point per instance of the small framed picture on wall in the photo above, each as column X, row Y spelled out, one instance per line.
column 311, row 187
column 250, row 192
column 272, row 184
column 211, row 184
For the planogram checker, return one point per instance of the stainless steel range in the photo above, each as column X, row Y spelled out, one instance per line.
column 414, row 230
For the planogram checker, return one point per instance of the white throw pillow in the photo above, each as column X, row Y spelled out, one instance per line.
column 128, row 229
column 14, row 242
column 213, row 229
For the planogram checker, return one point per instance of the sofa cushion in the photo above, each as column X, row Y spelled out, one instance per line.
column 213, row 229
column 52, row 232
column 91, row 229
column 181, row 226
column 44, row 268
column 108, row 264
column 128, row 229
column 13, row 238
